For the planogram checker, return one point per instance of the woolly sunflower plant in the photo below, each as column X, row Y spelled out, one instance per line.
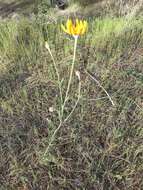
column 74, row 28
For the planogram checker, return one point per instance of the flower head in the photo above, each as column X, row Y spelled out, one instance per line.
column 76, row 28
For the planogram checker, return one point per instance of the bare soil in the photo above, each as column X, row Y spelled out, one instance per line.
column 7, row 8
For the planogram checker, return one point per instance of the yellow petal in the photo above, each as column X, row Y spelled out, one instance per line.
column 84, row 29
column 69, row 24
column 75, row 30
column 79, row 27
column 72, row 31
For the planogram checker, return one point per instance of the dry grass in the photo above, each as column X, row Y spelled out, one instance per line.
column 101, row 8
column 100, row 146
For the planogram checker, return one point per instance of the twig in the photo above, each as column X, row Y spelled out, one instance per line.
column 92, row 77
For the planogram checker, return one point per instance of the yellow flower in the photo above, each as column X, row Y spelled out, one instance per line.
column 75, row 29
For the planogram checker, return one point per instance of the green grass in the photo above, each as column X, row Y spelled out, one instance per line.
column 100, row 146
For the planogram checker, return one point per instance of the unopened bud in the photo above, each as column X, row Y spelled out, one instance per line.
column 77, row 73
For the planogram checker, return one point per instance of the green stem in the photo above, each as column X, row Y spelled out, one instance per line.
column 57, row 72
column 71, row 74
column 66, row 96
column 52, row 139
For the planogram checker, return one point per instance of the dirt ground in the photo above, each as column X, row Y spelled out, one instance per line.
column 9, row 7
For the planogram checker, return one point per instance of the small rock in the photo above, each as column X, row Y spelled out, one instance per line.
column 61, row 4
column 15, row 16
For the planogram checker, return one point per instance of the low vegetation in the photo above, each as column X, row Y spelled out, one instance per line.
column 100, row 146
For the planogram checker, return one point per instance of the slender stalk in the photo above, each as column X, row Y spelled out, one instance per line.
column 56, row 69
column 76, row 103
column 71, row 74
column 52, row 138
column 66, row 96
column 62, row 122
column 100, row 86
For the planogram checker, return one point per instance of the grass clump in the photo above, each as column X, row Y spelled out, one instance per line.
column 100, row 145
